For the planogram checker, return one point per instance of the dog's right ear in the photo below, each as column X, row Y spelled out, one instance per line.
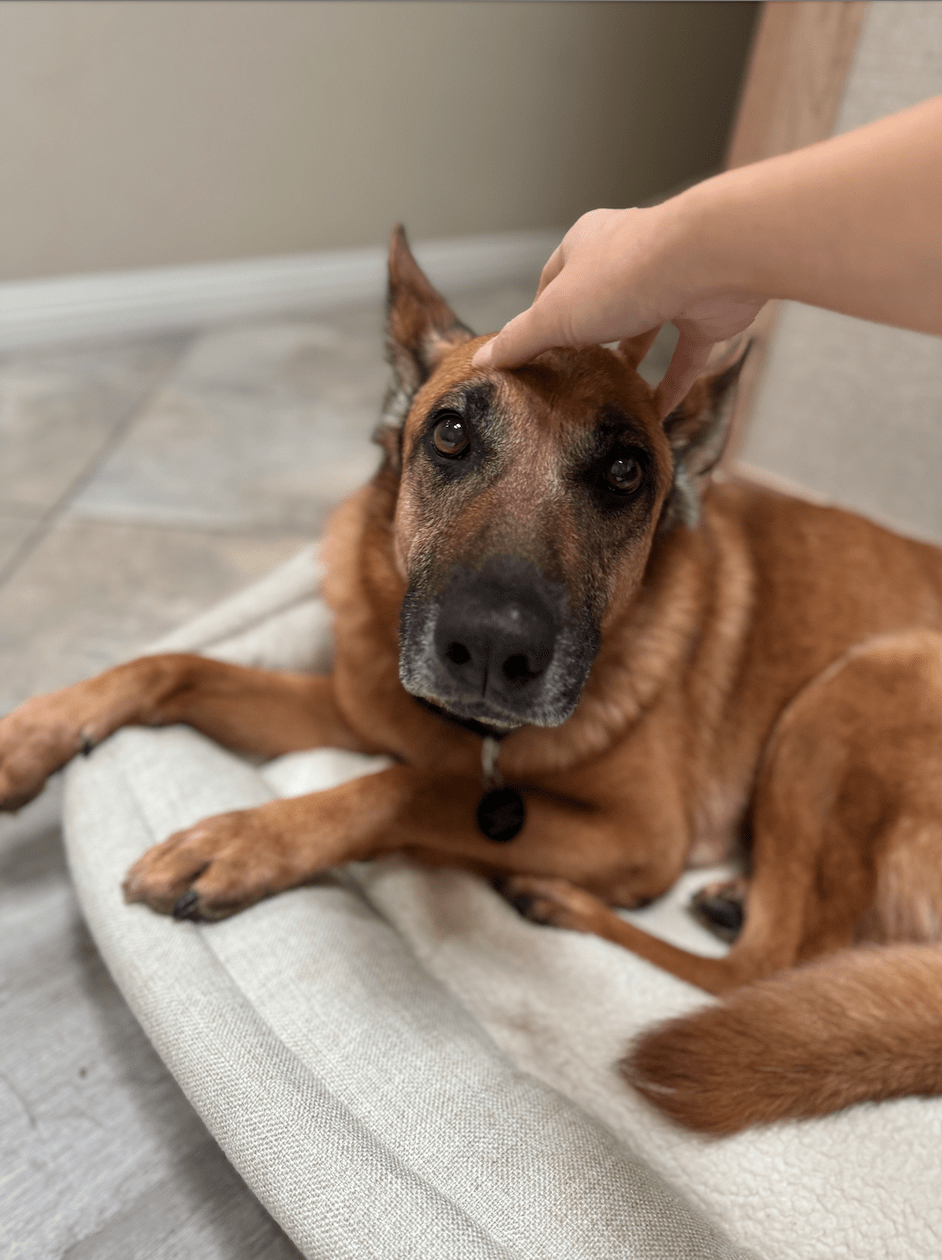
column 697, row 430
column 420, row 330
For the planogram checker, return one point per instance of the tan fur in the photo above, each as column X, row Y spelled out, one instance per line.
column 774, row 672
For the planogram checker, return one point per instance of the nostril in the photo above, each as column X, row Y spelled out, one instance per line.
column 457, row 653
column 517, row 669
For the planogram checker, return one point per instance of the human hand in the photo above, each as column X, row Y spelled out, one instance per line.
column 620, row 273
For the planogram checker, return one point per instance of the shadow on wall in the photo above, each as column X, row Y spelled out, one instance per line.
column 152, row 134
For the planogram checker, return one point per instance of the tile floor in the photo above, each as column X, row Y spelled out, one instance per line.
column 140, row 482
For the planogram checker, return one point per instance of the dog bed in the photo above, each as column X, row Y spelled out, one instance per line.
column 399, row 1066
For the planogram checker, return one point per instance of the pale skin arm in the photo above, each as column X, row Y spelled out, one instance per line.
column 853, row 224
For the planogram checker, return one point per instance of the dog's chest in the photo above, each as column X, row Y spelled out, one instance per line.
column 717, row 825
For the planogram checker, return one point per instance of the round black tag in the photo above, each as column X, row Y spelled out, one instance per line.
column 500, row 814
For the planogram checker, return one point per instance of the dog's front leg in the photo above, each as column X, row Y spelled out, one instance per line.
column 252, row 710
column 558, row 903
column 226, row 863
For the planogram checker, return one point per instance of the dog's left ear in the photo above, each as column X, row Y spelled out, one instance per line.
column 698, row 430
column 421, row 328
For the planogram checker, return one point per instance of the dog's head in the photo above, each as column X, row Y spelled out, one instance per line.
column 528, row 504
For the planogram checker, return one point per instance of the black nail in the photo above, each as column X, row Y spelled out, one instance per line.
column 187, row 906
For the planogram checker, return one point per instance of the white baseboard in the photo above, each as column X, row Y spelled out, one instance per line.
column 121, row 303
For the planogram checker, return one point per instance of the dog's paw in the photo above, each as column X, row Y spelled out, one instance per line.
column 35, row 740
column 552, row 902
column 214, row 869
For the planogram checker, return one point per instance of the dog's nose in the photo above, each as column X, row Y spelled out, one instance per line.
column 493, row 639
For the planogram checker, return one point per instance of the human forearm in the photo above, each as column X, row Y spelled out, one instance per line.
column 853, row 223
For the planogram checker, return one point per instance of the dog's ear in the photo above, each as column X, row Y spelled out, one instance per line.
column 420, row 330
column 698, row 430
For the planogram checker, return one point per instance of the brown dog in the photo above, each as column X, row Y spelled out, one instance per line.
column 671, row 666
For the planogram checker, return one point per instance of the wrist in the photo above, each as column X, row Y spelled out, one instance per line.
column 711, row 230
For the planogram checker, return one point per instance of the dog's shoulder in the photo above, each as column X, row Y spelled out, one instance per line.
column 768, row 508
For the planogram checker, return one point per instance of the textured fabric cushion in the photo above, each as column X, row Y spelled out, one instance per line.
column 399, row 1066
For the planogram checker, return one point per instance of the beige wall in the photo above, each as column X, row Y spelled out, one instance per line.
column 142, row 134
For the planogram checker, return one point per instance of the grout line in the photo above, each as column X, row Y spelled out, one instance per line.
column 44, row 524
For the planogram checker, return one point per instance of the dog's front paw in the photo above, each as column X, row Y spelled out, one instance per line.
column 216, row 868
column 553, row 902
column 35, row 740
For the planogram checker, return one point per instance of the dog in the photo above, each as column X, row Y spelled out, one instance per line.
column 597, row 664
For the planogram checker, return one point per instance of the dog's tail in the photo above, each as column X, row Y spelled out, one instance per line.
column 860, row 1025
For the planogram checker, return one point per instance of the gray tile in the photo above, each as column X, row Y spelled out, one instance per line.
column 59, row 408
column 202, row 1208
column 100, row 1153
column 266, row 423
column 261, row 425
column 15, row 528
column 91, row 594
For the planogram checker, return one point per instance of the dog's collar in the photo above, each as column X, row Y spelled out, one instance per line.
column 500, row 813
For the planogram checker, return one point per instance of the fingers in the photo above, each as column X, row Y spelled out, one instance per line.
column 528, row 333
column 689, row 359
column 526, row 336
column 616, row 274
column 552, row 269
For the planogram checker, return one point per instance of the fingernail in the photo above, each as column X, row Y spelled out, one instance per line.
column 483, row 355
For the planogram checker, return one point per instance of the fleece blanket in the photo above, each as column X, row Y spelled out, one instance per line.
column 399, row 1066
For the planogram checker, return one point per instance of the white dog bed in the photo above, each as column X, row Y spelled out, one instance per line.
column 399, row 1066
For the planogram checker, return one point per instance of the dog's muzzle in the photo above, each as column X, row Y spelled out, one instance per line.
column 495, row 647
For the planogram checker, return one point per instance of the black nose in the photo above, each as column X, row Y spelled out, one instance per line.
column 495, row 635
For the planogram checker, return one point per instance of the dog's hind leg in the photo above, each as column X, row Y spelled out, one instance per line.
column 773, row 930
column 860, row 1025
column 721, row 907
column 252, row 710
column 856, row 1024
column 860, row 747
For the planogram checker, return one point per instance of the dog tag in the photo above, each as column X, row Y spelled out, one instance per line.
column 500, row 814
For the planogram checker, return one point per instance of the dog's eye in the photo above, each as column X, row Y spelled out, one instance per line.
column 450, row 435
column 624, row 474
